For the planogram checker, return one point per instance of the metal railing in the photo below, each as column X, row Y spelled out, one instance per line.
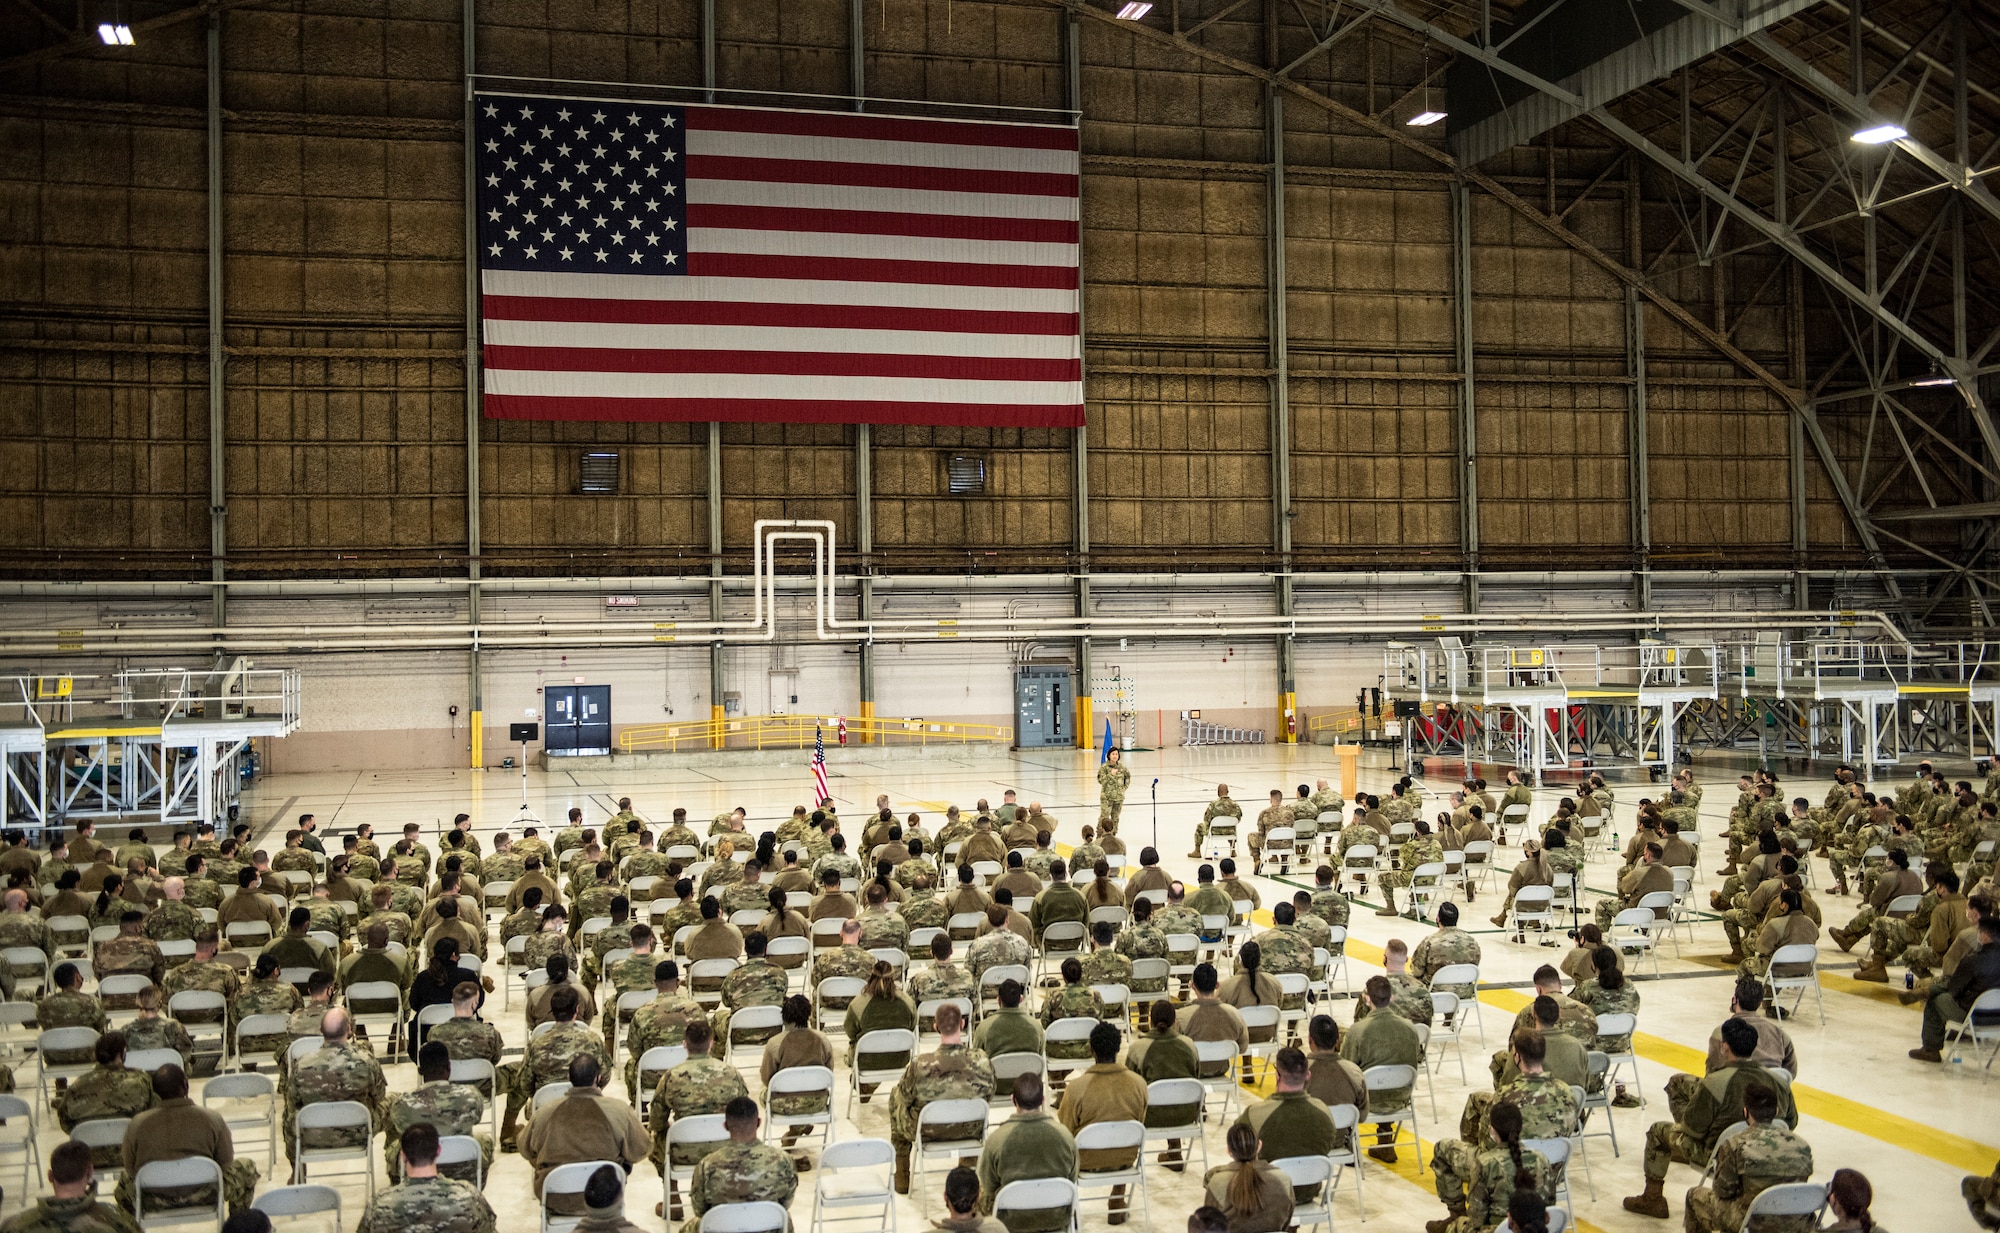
column 797, row 732
column 1197, row 732
column 1348, row 721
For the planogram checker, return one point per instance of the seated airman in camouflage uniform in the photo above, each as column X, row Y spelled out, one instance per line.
column 955, row 1071
column 547, row 1059
column 1284, row 947
column 1421, row 849
column 423, row 1200
column 1450, row 945
column 205, row 973
column 1547, row 1106
column 943, row 979
column 339, row 1070
column 449, row 1108
column 698, row 1086
column 111, row 1089
column 1499, row 1169
column 72, row 1205
column 757, row 982
column 744, row 1170
column 1767, row 1154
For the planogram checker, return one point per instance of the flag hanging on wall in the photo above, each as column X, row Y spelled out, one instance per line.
column 647, row 261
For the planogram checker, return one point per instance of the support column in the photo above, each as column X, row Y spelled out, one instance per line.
column 1468, row 429
column 218, row 492
column 1795, row 435
column 864, row 538
column 1639, row 479
column 1079, row 445
column 715, row 712
column 857, row 55
column 708, row 50
column 475, row 670
column 1281, row 411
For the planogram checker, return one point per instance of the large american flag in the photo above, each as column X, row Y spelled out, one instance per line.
column 645, row 261
column 819, row 766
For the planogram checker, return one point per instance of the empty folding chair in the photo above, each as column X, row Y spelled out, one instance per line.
column 854, row 1185
column 459, row 1156
column 1600, row 1068
column 879, row 1058
column 1387, row 1079
column 252, row 1106
column 1122, row 1136
column 1347, row 1124
column 946, row 1130
column 69, row 1043
column 1174, row 1120
column 1310, row 1174
column 17, row 1139
column 293, row 1202
column 1794, row 968
column 1804, row 1200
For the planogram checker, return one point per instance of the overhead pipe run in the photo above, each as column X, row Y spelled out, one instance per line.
column 761, row 626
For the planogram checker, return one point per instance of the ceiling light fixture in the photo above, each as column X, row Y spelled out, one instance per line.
column 1424, row 119
column 118, row 35
column 1133, row 10
column 1880, row 134
column 1427, row 115
column 1933, row 378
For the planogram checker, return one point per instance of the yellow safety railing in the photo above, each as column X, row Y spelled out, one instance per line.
column 1343, row 720
column 796, row 732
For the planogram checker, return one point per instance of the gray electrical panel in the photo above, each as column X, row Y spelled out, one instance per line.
column 1044, row 705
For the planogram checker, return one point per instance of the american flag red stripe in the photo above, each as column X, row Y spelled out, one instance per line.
column 651, row 262
column 819, row 766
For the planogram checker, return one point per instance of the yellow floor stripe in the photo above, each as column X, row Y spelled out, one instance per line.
column 1941, row 1145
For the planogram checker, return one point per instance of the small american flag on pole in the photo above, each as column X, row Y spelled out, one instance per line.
column 819, row 765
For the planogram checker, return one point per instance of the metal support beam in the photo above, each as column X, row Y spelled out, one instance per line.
column 1795, row 436
column 1079, row 438
column 475, row 675
column 1639, row 483
column 857, row 55
column 864, row 540
column 708, row 50
column 1784, row 236
column 1276, row 285
column 715, row 574
column 1862, row 111
column 1468, row 422
column 218, row 357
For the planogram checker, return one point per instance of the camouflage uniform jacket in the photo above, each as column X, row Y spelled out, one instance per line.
column 79, row 1215
column 65, row 1009
column 1072, row 1002
column 103, row 1092
column 1221, row 807
column 158, row 1032
column 942, row 981
column 843, row 961
column 1492, row 1184
column 520, row 924
column 1408, row 997
column 453, row 1108
column 214, row 976
column 954, row 1072
column 923, row 910
column 1000, row 948
column 758, row 982
column 1441, row 950
column 698, row 1086
column 137, row 955
column 548, row 1056
column 1548, row 1107
column 467, row 1039
column 1623, row 1000
column 173, row 920
column 1177, row 918
column 662, row 1021
column 1330, row 906
column 882, row 928
column 433, row 1204
column 334, row 1072
column 503, row 867
column 1107, row 967
column 632, row 973
column 743, row 1173
column 1284, row 950
column 1147, row 941
column 1754, row 1161
column 24, row 929
column 746, row 896
column 399, row 924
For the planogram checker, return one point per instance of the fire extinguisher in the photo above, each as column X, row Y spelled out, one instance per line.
column 841, row 728
column 1291, row 726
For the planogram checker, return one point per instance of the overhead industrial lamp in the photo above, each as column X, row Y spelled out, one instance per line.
column 1133, row 10
column 115, row 34
column 1428, row 115
column 1934, row 377
column 1880, row 134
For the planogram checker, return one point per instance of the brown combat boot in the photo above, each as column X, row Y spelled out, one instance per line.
column 902, row 1170
column 1842, row 938
column 1388, row 907
column 1500, row 920
column 1452, row 1211
column 1653, row 1202
column 1874, row 968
